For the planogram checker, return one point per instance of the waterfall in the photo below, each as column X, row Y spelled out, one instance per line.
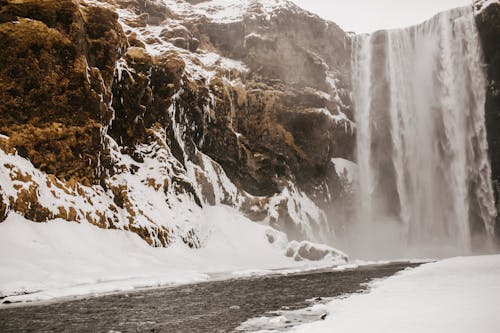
column 419, row 97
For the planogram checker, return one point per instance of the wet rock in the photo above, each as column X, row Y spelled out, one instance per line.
column 488, row 23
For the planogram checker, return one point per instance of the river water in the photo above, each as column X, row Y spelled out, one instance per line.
column 219, row 306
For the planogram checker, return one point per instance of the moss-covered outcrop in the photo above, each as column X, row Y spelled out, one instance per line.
column 57, row 62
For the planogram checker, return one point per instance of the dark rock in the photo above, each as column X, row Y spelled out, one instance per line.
column 4, row 208
column 488, row 23
column 181, row 37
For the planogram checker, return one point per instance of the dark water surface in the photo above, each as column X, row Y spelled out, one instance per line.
column 218, row 306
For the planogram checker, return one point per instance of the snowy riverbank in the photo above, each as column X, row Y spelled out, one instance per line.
column 452, row 295
column 44, row 261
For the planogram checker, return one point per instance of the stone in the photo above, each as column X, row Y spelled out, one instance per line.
column 488, row 24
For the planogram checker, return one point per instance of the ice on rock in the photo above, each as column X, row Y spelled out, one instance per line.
column 306, row 250
column 481, row 5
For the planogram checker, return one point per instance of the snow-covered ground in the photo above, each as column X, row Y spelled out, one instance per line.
column 453, row 295
column 61, row 259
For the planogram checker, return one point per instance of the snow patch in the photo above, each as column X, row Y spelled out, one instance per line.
column 346, row 169
column 339, row 118
column 210, row 59
column 283, row 320
column 228, row 11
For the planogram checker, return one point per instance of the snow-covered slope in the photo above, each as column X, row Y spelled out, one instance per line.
column 42, row 261
column 141, row 115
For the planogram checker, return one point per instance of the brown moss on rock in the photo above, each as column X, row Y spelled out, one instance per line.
column 142, row 94
column 34, row 83
column 257, row 159
column 54, row 58
column 173, row 66
column 69, row 214
column 27, row 203
column 55, row 148
column 57, row 14
column 137, row 56
column 154, row 236
column 134, row 41
column 106, row 41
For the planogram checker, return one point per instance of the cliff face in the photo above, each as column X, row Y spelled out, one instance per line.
column 488, row 23
column 133, row 114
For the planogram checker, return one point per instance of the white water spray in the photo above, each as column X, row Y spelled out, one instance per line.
column 419, row 95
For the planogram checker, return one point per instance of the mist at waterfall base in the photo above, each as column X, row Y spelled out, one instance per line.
column 424, row 176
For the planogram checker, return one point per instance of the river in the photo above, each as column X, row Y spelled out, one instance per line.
column 218, row 306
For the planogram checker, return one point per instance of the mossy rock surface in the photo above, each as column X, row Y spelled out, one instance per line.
column 57, row 62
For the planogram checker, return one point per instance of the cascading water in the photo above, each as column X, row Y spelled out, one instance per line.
column 419, row 96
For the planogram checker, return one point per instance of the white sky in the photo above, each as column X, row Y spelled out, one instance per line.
column 370, row 15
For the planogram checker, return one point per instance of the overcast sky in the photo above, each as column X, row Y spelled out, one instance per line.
column 370, row 15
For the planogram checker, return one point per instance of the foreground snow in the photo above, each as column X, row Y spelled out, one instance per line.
column 60, row 259
column 453, row 295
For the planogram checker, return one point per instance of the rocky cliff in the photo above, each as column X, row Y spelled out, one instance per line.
column 488, row 23
column 133, row 114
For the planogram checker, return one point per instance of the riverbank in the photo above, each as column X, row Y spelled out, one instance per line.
column 219, row 306
column 58, row 259
column 452, row 295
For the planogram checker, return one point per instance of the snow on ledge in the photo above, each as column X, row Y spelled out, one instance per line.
column 227, row 11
